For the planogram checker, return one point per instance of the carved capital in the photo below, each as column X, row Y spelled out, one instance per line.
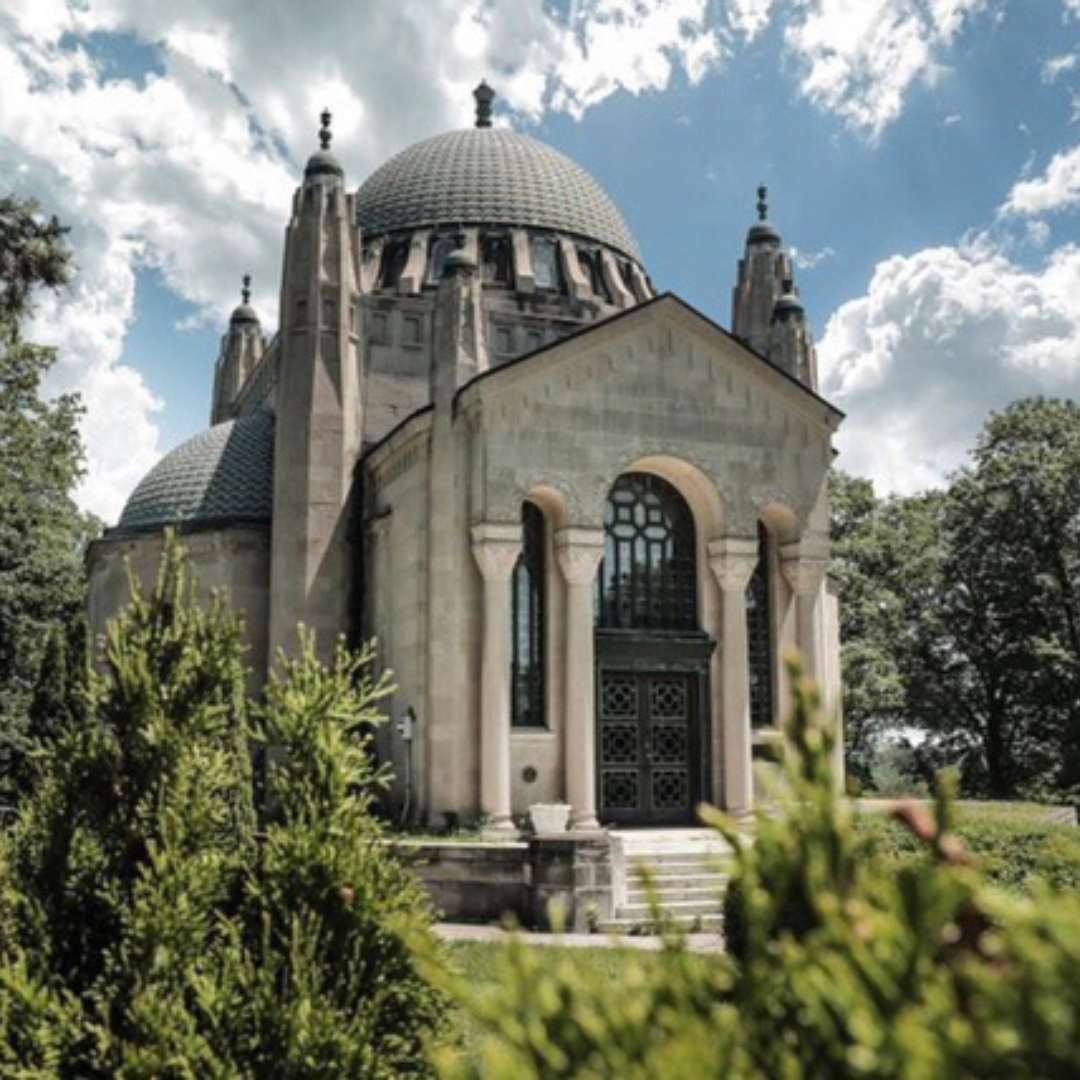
column 579, row 552
column 732, row 560
column 805, row 563
column 805, row 576
column 496, row 548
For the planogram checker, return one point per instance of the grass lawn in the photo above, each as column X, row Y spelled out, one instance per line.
column 478, row 964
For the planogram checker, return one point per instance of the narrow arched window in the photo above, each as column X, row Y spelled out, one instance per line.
column 759, row 636
column 528, row 666
column 648, row 580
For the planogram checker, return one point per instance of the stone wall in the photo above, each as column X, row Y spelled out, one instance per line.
column 234, row 561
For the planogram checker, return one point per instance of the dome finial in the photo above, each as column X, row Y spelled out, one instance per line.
column 762, row 205
column 484, row 96
column 245, row 291
column 325, row 134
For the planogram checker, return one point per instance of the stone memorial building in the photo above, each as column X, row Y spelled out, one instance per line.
column 583, row 520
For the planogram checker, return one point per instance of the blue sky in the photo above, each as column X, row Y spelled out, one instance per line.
column 922, row 156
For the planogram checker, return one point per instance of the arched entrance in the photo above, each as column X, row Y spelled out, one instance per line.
column 652, row 659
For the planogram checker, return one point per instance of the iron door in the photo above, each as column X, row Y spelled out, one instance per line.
column 648, row 747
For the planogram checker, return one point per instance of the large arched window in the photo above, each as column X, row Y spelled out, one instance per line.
column 528, row 667
column 759, row 636
column 648, row 580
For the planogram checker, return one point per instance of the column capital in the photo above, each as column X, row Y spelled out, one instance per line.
column 579, row 552
column 804, row 566
column 496, row 547
column 732, row 560
column 805, row 576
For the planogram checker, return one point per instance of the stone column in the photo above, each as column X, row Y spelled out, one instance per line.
column 732, row 561
column 805, row 570
column 579, row 552
column 495, row 548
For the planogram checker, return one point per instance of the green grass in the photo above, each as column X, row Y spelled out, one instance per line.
column 478, row 964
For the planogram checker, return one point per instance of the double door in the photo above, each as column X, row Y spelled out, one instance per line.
column 649, row 746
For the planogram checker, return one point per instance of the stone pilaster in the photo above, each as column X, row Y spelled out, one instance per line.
column 732, row 561
column 579, row 552
column 496, row 548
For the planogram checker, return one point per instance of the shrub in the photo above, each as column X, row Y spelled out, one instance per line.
column 148, row 929
column 836, row 968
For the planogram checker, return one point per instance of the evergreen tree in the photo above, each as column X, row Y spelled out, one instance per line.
column 148, row 928
column 41, row 531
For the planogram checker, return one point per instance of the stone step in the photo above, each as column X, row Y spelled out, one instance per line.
column 676, row 910
column 708, row 923
column 650, row 848
column 676, row 867
column 690, row 890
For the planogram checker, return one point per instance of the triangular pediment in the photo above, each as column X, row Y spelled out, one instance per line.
column 689, row 357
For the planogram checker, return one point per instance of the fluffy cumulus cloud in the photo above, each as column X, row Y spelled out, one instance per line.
column 1056, row 188
column 941, row 338
column 860, row 58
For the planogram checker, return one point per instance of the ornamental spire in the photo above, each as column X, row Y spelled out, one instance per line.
column 484, row 96
column 245, row 291
column 325, row 135
column 762, row 205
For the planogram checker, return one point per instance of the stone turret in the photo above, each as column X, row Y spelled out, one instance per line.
column 766, row 310
column 318, row 408
column 241, row 350
column 791, row 346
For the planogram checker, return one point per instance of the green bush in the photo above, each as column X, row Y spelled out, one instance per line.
column 836, row 967
column 1014, row 852
column 148, row 929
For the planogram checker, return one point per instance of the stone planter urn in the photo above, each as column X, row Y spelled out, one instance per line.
column 547, row 818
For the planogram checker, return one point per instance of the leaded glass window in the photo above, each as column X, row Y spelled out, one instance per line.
column 648, row 579
column 759, row 636
column 528, row 667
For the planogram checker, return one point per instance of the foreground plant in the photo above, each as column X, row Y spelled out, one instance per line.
column 834, row 969
column 148, row 928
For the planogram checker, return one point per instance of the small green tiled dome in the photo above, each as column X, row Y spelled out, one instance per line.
column 489, row 176
column 222, row 476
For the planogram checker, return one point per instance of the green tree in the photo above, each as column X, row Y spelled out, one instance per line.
column 1001, row 661
column 887, row 558
column 41, row 531
column 149, row 927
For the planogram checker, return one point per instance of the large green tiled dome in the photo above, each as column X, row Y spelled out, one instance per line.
column 490, row 176
column 222, row 476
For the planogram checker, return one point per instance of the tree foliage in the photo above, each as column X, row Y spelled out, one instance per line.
column 961, row 611
column 887, row 558
column 836, row 970
column 41, row 531
column 149, row 927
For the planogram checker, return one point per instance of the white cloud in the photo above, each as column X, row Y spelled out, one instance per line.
column 861, row 57
column 1057, row 65
column 1057, row 188
column 941, row 338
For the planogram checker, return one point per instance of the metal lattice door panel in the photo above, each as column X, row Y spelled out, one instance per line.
column 648, row 730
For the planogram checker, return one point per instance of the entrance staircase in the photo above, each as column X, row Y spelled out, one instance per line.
column 688, row 872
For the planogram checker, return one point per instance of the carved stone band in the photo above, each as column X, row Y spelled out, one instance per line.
column 496, row 548
column 579, row 552
column 732, row 560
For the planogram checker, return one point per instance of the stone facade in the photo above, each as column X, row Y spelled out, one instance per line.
column 583, row 520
